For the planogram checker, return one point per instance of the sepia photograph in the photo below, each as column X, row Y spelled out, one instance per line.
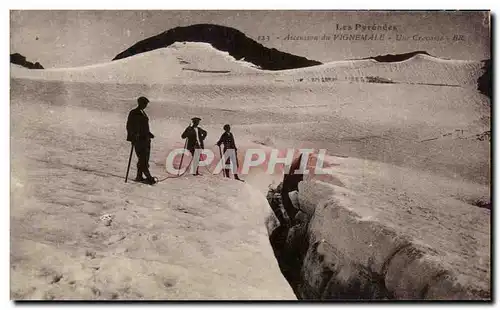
column 247, row 155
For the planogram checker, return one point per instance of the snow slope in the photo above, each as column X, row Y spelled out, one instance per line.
column 188, row 62
column 185, row 238
column 420, row 69
column 180, row 60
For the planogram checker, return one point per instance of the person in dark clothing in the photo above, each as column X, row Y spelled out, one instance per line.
column 195, row 136
column 227, row 139
column 139, row 135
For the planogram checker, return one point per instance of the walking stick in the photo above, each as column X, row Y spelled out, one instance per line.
column 182, row 158
column 237, row 161
column 224, row 170
column 129, row 160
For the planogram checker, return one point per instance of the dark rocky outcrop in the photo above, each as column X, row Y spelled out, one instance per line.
column 19, row 59
column 397, row 57
column 227, row 39
column 484, row 83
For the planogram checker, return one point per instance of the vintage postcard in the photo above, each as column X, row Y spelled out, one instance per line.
column 250, row 155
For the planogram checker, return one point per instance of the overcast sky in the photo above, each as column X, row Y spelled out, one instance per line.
column 77, row 38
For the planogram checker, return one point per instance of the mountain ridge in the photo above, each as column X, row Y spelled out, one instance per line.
column 398, row 57
column 19, row 59
column 223, row 38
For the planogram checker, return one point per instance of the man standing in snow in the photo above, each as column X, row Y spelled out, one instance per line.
column 227, row 139
column 195, row 137
column 139, row 135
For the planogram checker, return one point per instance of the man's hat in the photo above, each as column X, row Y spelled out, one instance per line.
column 194, row 119
column 142, row 100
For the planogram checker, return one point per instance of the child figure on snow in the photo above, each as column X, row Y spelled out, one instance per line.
column 227, row 139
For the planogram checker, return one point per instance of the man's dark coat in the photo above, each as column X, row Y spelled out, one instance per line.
column 190, row 134
column 138, row 126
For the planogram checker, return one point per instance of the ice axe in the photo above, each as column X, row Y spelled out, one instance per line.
column 221, row 158
column 129, row 160
column 182, row 158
